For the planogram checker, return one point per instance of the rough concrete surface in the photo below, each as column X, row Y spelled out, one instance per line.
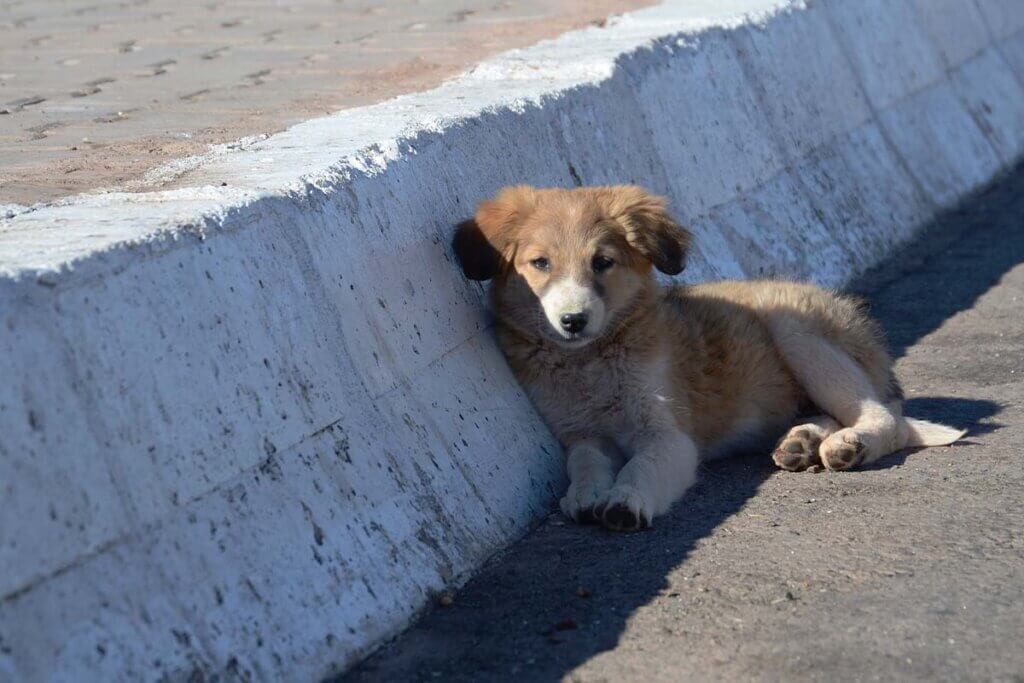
column 910, row 570
column 252, row 424
column 93, row 94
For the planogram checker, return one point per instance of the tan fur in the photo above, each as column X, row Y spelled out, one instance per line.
column 659, row 375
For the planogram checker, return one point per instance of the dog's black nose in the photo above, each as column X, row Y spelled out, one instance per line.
column 573, row 322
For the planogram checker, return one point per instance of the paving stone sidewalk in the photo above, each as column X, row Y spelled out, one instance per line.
column 95, row 92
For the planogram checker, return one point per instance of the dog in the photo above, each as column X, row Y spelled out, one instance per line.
column 639, row 382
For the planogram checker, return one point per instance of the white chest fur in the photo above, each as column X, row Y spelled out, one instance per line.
column 609, row 394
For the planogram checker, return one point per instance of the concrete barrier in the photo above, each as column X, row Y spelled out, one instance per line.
column 248, row 427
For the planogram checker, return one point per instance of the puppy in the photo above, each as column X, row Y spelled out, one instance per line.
column 638, row 381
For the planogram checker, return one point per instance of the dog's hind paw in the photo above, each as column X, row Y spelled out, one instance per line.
column 625, row 509
column 798, row 450
column 843, row 450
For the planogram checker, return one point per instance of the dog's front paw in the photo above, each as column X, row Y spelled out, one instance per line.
column 625, row 509
column 579, row 502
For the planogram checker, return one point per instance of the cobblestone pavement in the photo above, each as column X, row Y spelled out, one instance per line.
column 912, row 570
column 95, row 92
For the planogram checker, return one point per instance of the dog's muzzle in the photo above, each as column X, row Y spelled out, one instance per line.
column 574, row 311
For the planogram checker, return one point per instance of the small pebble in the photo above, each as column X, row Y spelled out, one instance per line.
column 566, row 625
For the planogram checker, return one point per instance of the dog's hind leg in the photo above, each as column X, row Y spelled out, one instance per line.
column 841, row 388
column 798, row 449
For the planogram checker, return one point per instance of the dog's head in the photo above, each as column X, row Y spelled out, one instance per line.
column 568, row 265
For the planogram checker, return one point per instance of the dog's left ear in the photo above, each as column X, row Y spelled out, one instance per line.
column 649, row 229
column 479, row 259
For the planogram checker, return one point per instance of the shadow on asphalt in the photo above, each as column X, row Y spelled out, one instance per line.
column 564, row 593
column 965, row 413
column 951, row 262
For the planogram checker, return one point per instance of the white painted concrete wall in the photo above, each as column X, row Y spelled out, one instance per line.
column 251, row 429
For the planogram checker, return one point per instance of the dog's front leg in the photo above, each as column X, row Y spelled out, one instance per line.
column 592, row 465
column 663, row 467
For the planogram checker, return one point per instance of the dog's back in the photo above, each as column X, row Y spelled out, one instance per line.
column 797, row 308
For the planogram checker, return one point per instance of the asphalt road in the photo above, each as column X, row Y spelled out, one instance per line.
column 910, row 570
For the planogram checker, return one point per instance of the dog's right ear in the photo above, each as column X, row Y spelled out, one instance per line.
column 479, row 260
column 485, row 243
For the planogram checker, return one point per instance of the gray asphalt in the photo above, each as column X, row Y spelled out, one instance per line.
column 911, row 570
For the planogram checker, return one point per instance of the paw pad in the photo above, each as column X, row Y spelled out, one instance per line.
column 797, row 451
column 842, row 453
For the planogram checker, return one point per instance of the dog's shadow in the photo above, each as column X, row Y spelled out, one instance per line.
column 565, row 593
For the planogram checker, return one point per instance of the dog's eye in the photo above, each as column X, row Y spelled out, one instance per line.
column 540, row 263
column 601, row 263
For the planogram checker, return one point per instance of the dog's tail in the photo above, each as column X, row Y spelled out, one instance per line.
column 924, row 433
